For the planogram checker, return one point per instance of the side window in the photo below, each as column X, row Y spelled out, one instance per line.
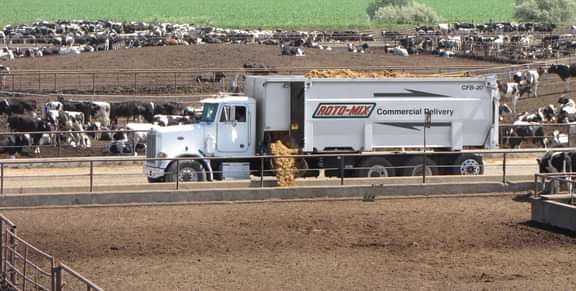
column 226, row 114
column 240, row 114
column 233, row 113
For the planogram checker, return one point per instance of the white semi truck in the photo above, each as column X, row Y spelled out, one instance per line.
column 327, row 116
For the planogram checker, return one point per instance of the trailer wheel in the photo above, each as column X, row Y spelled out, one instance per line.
column 468, row 164
column 375, row 167
column 189, row 171
column 415, row 165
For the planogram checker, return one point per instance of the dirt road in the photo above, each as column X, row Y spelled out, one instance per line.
column 426, row 244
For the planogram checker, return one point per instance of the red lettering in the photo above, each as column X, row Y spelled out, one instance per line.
column 341, row 110
column 322, row 110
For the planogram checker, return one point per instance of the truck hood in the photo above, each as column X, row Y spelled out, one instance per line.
column 181, row 140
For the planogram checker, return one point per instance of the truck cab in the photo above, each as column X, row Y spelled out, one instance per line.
column 227, row 128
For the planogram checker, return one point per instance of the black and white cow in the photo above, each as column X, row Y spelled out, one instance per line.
column 133, row 110
column 291, row 50
column 566, row 110
column 556, row 162
column 4, row 72
column 100, row 112
column 565, row 72
column 27, row 123
column 529, row 78
column 168, row 120
column 522, row 131
column 12, row 106
column 74, row 122
column 510, row 92
column 132, row 137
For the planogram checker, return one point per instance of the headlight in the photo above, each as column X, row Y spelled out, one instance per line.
column 162, row 155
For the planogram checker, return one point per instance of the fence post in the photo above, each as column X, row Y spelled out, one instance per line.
column 1, row 178
column 13, row 253
column 55, row 86
column 135, row 82
column 93, row 83
column 424, row 168
column 57, row 278
column 261, row 172
column 58, row 137
column 177, row 174
column 2, row 256
column 341, row 170
column 504, row 169
column 24, row 268
column 91, row 175
column 175, row 85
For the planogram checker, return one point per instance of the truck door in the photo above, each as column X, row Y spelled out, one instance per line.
column 233, row 129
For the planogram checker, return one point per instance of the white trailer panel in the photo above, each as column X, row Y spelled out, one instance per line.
column 367, row 114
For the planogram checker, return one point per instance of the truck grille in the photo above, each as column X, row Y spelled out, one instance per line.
column 151, row 146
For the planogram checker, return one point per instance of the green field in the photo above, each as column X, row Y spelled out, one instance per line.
column 245, row 13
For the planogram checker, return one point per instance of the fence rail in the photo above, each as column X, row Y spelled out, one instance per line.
column 87, row 177
column 25, row 267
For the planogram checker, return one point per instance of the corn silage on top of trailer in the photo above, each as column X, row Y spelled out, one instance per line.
column 350, row 74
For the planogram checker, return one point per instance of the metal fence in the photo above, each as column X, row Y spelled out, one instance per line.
column 556, row 183
column 25, row 267
column 168, row 81
column 73, row 175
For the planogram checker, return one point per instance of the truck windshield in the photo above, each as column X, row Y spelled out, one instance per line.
column 209, row 112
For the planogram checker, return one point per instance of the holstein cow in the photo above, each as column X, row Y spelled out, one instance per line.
column 11, row 106
column 4, row 72
column 564, row 72
column 100, row 112
column 168, row 120
column 524, row 131
column 77, row 106
column 26, row 123
column 509, row 92
column 134, row 137
column 6, row 54
column 73, row 121
column 556, row 162
column 566, row 110
column 291, row 51
column 132, row 109
column 13, row 144
column 530, row 78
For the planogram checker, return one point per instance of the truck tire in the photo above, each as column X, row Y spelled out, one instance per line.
column 469, row 164
column 415, row 164
column 189, row 171
column 375, row 167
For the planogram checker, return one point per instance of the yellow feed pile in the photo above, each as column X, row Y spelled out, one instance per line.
column 345, row 73
column 285, row 167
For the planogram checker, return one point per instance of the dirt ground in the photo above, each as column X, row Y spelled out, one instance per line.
column 426, row 244
column 222, row 56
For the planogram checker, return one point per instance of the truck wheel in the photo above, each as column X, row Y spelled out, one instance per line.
column 469, row 164
column 375, row 167
column 414, row 167
column 189, row 171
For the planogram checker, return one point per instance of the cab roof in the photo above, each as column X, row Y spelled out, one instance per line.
column 229, row 99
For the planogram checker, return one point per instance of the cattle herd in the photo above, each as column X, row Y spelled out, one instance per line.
column 124, row 124
column 505, row 41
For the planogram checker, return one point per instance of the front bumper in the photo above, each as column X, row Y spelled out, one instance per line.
column 153, row 172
